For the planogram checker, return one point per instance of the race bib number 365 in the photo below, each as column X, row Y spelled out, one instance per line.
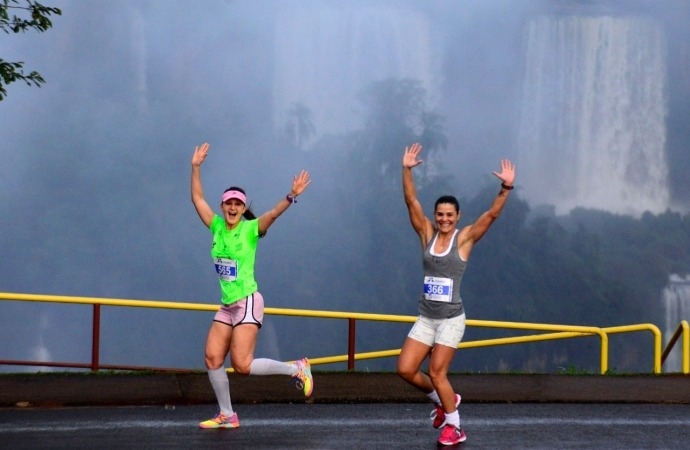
column 226, row 268
column 438, row 289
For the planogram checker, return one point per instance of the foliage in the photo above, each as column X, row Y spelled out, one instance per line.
column 396, row 116
column 300, row 125
column 16, row 17
column 573, row 370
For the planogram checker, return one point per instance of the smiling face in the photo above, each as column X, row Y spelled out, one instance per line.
column 446, row 216
column 232, row 212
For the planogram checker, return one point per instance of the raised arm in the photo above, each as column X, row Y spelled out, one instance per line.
column 475, row 231
column 299, row 184
column 202, row 208
column 421, row 224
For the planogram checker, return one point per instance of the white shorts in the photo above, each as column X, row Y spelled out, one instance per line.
column 247, row 310
column 446, row 332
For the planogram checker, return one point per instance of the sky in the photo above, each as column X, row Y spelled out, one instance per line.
column 94, row 171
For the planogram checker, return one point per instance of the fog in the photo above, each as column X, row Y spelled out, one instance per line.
column 589, row 98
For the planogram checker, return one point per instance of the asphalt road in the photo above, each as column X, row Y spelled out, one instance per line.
column 348, row 426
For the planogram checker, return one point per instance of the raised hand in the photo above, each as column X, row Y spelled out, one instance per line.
column 507, row 175
column 200, row 152
column 300, row 183
column 410, row 157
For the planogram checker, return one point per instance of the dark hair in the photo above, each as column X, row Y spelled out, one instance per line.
column 248, row 213
column 450, row 200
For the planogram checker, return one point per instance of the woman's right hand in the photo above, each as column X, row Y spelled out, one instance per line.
column 200, row 152
column 410, row 157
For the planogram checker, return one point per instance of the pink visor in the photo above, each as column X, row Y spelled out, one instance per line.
column 234, row 194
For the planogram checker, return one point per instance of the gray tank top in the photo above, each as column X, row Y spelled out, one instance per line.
column 442, row 278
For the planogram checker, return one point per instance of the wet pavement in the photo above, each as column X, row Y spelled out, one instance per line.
column 349, row 426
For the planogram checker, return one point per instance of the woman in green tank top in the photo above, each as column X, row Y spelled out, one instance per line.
column 235, row 326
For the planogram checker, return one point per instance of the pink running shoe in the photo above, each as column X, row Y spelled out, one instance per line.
column 221, row 421
column 438, row 415
column 451, row 435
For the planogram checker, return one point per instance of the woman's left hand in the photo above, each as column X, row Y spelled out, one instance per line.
column 507, row 175
column 300, row 183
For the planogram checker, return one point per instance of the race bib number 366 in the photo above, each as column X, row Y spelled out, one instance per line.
column 438, row 289
column 226, row 268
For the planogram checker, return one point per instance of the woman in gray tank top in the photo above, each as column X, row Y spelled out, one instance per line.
column 441, row 321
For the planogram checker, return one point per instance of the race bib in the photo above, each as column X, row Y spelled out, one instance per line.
column 438, row 289
column 226, row 268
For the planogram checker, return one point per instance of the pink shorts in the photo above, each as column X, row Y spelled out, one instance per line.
column 247, row 310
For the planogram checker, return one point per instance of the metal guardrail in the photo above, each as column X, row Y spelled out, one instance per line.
column 684, row 331
column 549, row 332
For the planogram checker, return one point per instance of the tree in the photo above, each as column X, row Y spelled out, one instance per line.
column 396, row 115
column 300, row 125
column 26, row 15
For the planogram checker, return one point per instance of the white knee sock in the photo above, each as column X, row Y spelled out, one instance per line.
column 433, row 396
column 221, row 386
column 265, row 366
column 453, row 418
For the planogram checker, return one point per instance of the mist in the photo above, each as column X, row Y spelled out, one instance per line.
column 94, row 179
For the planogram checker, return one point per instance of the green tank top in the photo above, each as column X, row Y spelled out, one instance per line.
column 234, row 253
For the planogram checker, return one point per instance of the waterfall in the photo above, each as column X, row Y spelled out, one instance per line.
column 676, row 300
column 325, row 55
column 139, row 49
column 592, row 127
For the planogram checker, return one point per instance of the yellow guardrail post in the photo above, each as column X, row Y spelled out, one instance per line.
column 643, row 327
column 684, row 331
column 686, row 346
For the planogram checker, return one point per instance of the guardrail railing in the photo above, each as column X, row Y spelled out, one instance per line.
column 548, row 332
column 683, row 331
